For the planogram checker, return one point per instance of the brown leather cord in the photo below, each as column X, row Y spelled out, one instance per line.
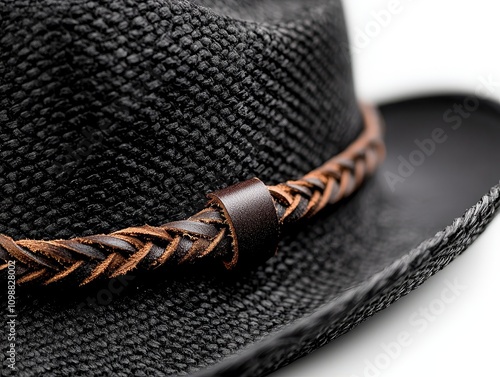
column 228, row 230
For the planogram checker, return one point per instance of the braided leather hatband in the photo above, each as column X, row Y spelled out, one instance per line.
column 240, row 226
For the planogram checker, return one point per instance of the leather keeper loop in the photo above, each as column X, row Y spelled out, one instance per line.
column 250, row 213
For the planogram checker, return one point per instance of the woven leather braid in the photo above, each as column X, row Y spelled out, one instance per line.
column 202, row 236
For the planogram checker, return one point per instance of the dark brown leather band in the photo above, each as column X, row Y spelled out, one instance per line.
column 240, row 225
column 249, row 210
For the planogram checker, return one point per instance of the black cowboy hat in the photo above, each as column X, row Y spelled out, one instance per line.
column 117, row 114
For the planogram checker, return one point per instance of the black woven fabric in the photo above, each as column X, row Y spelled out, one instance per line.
column 127, row 112
column 119, row 113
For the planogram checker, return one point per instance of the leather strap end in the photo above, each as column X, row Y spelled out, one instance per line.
column 249, row 211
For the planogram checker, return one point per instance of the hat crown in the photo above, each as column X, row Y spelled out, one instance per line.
column 116, row 114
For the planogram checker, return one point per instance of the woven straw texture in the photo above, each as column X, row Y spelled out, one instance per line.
column 121, row 113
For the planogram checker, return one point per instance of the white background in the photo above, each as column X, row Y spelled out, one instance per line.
column 425, row 46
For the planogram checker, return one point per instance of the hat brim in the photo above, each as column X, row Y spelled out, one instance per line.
column 355, row 259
